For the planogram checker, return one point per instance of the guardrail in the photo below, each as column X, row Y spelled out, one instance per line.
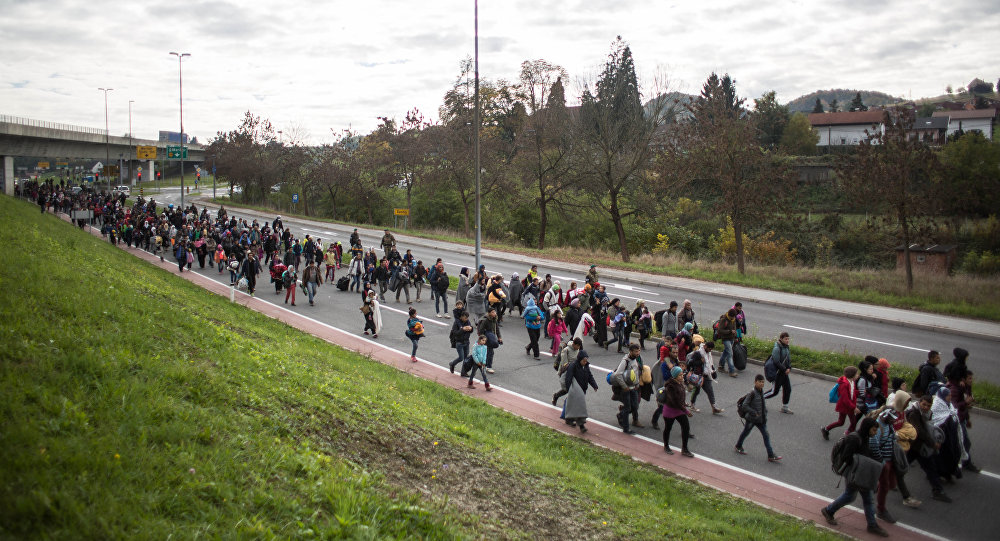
column 51, row 125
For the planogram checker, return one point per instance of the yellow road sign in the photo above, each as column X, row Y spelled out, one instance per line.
column 401, row 212
column 43, row 165
column 145, row 152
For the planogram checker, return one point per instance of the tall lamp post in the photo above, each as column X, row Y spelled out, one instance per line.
column 180, row 79
column 107, row 144
column 130, row 177
column 479, row 237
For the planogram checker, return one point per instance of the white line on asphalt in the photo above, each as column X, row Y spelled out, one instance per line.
column 991, row 474
column 606, row 425
column 407, row 314
column 857, row 338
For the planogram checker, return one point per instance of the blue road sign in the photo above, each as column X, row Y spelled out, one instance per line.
column 295, row 198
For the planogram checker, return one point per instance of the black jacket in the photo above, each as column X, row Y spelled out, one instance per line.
column 489, row 325
column 457, row 335
column 582, row 375
column 756, row 408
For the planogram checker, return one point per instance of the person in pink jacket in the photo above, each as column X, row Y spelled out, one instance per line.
column 556, row 328
column 847, row 401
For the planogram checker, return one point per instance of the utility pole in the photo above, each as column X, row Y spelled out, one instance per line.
column 130, row 176
column 107, row 144
column 479, row 229
column 180, row 79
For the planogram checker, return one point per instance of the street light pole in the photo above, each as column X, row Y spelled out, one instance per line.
column 107, row 144
column 479, row 229
column 130, row 102
column 180, row 79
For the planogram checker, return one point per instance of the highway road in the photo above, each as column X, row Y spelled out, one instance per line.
column 796, row 437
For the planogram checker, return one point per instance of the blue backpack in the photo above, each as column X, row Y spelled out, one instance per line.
column 835, row 393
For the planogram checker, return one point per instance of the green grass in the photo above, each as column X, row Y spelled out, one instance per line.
column 957, row 295
column 136, row 405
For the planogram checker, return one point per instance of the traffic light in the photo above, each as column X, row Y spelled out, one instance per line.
column 198, row 176
column 140, row 176
column 159, row 175
column 97, row 177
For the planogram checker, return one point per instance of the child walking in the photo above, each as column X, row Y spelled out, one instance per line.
column 479, row 362
column 414, row 331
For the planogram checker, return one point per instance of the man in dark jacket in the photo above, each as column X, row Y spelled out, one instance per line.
column 459, row 336
column 929, row 374
column 956, row 370
column 857, row 444
column 923, row 448
column 726, row 332
column 488, row 327
column 754, row 412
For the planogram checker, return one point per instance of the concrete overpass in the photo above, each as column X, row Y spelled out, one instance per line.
column 23, row 137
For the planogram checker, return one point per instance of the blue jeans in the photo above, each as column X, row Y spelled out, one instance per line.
column 311, row 290
column 413, row 352
column 442, row 297
column 462, row 348
column 850, row 493
column 727, row 356
column 491, row 344
column 763, row 432
column 355, row 282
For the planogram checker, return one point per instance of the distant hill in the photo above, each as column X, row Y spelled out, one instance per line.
column 805, row 104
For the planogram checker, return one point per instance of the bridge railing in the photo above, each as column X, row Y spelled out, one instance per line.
column 51, row 125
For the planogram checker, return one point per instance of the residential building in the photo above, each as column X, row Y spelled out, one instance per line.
column 932, row 130
column 847, row 128
column 978, row 119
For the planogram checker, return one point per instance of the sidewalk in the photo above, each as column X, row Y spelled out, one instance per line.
column 761, row 490
column 868, row 312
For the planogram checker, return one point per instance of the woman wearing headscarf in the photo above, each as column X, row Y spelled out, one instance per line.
column 600, row 315
column 686, row 315
column 578, row 377
column 945, row 416
column 463, row 285
column 475, row 301
column 674, row 409
column 370, row 310
column 514, row 290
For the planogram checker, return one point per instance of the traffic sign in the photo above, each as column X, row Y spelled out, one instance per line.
column 401, row 212
column 43, row 165
column 295, row 198
column 176, row 152
column 139, row 169
column 145, row 152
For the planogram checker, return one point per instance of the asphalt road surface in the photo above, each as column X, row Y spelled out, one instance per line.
column 796, row 437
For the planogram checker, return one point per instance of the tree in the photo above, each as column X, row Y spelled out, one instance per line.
column 926, row 109
column 799, row 137
column 896, row 174
column 949, row 90
column 248, row 156
column 544, row 166
column 857, row 104
column 408, row 150
column 818, row 108
column 834, row 106
column 716, row 155
column 614, row 139
column 971, row 175
column 771, row 119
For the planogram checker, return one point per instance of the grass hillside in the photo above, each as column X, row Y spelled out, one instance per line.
column 805, row 104
column 136, row 405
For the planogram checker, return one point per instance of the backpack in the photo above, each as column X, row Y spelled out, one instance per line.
column 838, row 456
column 287, row 279
column 661, row 396
column 741, row 405
column 715, row 329
column 835, row 393
column 770, row 370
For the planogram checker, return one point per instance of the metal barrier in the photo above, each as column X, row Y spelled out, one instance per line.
column 51, row 125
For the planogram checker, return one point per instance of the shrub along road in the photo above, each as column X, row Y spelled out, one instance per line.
column 797, row 437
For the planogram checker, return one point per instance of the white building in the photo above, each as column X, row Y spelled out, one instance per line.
column 980, row 120
column 847, row 128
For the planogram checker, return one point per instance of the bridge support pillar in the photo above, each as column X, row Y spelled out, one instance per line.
column 7, row 174
column 151, row 165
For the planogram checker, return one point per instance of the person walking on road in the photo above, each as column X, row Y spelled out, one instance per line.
column 479, row 360
column 459, row 336
column 489, row 328
column 372, row 314
column 251, row 268
column 929, row 376
column 414, row 331
column 289, row 279
column 533, row 320
column 578, row 377
column 702, row 368
column 781, row 358
column 753, row 410
column 556, row 329
column 440, row 285
column 181, row 254
column 566, row 357
column 388, row 242
column 311, row 279
column 625, row 379
column 925, row 446
column 674, row 409
column 856, row 446
column 847, row 401
column 726, row 331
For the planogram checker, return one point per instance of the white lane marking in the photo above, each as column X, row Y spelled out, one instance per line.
column 857, row 338
column 331, row 233
column 730, row 467
column 991, row 474
column 407, row 314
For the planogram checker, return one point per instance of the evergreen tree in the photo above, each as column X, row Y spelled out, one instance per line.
column 719, row 95
column 834, row 106
column 858, row 105
column 771, row 118
column 818, row 108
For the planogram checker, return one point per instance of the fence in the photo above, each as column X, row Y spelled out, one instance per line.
column 51, row 125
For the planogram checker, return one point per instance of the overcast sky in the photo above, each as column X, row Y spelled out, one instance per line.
column 316, row 66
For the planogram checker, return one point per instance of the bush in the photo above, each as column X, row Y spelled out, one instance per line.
column 765, row 249
column 981, row 263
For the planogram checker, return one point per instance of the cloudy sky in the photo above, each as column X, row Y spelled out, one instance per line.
column 316, row 66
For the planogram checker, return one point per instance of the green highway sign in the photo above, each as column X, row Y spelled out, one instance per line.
column 176, row 152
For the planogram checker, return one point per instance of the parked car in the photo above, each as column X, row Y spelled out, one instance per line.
column 123, row 189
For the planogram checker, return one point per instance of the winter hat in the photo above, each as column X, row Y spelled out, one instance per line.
column 675, row 371
column 960, row 353
column 883, row 365
column 514, row 276
column 900, row 399
column 673, row 304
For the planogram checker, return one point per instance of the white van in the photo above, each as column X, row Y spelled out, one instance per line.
column 123, row 189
